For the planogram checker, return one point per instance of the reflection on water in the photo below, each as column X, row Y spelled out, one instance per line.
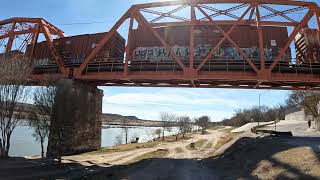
column 24, row 144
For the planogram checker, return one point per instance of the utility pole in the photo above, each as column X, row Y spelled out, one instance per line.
column 260, row 115
column 259, row 109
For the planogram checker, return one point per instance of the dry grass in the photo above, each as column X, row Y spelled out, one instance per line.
column 173, row 138
column 178, row 150
column 130, row 147
column 228, row 130
column 216, row 127
column 301, row 159
column 209, row 145
column 197, row 144
column 222, row 141
column 225, row 139
column 159, row 153
column 266, row 158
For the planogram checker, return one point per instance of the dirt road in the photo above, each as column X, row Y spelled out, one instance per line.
column 245, row 155
column 117, row 158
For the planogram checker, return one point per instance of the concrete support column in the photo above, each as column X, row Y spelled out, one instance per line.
column 76, row 120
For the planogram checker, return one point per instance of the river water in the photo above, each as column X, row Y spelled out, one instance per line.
column 24, row 144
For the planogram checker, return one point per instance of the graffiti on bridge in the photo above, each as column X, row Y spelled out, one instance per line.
column 230, row 53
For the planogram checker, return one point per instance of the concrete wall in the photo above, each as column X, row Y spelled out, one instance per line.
column 298, row 116
column 76, row 120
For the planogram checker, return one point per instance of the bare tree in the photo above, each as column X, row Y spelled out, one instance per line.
column 14, row 74
column 184, row 125
column 41, row 116
column 188, row 125
column 157, row 132
column 196, row 123
column 309, row 100
column 306, row 99
column 166, row 122
column 125, row 128
column 203, row 122
column 118, row 139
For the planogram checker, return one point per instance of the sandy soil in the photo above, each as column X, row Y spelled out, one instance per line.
column 116, row 158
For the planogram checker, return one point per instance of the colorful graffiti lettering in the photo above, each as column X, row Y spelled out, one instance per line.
column 161, row 54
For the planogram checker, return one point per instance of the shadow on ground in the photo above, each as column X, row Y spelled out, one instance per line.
column 248, row 158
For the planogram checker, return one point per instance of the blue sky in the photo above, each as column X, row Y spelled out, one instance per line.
column 217, row 103
column 90, row 16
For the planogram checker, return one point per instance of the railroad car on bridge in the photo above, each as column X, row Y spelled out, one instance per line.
column 149, row 54
column 198, row 43
column 74, row 50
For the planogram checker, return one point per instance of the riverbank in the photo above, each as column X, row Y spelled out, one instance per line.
column 219, row 154
column 24, row 144
column 118, row 120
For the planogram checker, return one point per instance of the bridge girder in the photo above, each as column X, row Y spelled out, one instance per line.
column 26, row 31
column 192, row 73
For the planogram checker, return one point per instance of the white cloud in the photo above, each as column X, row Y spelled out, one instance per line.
column 167, row 98
column 146, row 103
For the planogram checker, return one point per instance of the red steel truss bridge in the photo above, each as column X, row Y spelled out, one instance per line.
column 284, row 70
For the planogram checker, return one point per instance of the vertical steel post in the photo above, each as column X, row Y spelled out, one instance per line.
column 260, row 35
column 128, row 47
column 251, row 15
column 293, row 34
column 259, row 109
column 34, row 41
column 11, row 37
column 193, row 19
column 317, row 19
column 260, row 114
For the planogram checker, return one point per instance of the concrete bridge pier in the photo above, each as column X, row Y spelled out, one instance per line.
column 76, row 121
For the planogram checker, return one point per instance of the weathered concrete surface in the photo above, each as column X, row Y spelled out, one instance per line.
column 298, row 116
column 76, row 119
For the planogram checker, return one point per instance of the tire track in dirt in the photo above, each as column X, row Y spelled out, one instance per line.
column 116, row 158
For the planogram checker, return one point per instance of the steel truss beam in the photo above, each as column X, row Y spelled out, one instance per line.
column 30, row 28
column 222, row 12
column 250, row 15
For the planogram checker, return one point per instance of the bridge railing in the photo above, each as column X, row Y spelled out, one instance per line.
column 307, row 67
column 217, row 64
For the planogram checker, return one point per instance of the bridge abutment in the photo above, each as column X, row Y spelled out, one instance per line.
column 76, row 119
